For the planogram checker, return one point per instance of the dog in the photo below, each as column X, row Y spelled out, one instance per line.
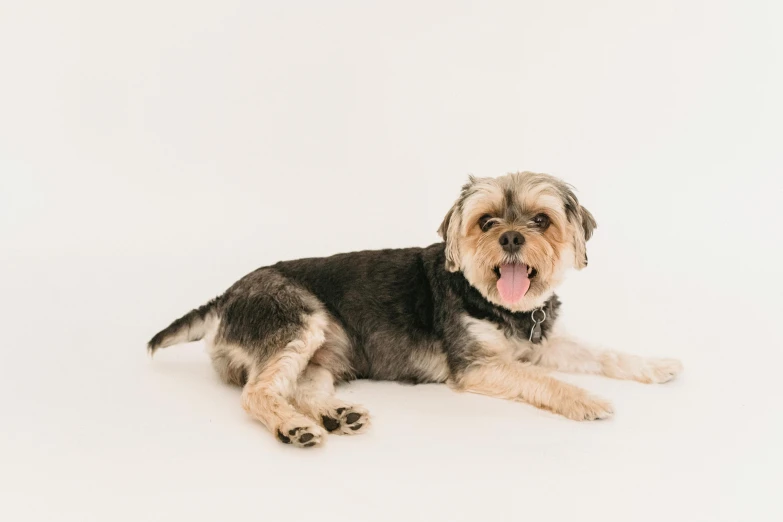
column 477, row 311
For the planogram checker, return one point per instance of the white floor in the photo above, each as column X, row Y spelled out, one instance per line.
column 153, row 152
column 95, row 430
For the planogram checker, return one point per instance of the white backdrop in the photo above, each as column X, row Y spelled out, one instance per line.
column 153, row 152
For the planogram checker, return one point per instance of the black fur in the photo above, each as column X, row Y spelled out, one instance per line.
column 512, row 210
column 288, row 331
column 393, row 303
column 396, row 307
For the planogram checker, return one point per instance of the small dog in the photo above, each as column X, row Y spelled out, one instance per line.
column 477, row 311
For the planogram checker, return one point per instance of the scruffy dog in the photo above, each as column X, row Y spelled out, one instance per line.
column 477, row 312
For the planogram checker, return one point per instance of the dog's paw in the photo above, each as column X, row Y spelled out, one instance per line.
column 301, row 433
column 346, row 419
column 586, row 407
column 658, row 371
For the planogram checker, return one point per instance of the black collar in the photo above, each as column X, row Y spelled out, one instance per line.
column 531, row 325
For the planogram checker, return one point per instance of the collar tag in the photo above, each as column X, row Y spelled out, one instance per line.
column 535, row 331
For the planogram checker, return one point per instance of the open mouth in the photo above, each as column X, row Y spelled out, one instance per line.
column 531, row 272
column 514, row 280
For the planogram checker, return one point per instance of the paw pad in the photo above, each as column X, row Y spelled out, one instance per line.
column 301, row 436
column 329, row 423
column 348, row 419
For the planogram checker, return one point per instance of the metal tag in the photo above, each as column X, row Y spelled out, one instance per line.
column 535, row 331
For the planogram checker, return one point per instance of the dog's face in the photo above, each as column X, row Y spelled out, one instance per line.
column 515, row 236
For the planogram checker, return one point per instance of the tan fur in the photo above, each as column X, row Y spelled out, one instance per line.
column 293, row 394
column 500, row 369
column 267, row 394
column 296, row 388
column 568, row 355
column 334, row 353
column 232, row 363
column 552, row 251
column 314, row 396
column 302, row 377
column 433, row 364
column 494, row 341
column 499, row 373
column 523, row 382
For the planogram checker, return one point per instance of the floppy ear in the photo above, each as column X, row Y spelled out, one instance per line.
column 449, row 231
column 450, row 228
column 585, row 224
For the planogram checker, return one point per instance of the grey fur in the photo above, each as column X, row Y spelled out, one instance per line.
column 396, row 307
column 399, row 315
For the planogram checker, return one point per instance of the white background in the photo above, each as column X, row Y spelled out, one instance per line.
column 153, row 152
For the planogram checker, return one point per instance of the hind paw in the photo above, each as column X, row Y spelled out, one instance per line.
column 300, row 434
column 346, row 419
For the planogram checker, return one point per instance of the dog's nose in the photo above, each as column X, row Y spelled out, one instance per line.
column 511, row 241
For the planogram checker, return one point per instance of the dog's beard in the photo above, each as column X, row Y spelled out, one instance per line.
column 521, row 281
column 548, row 226
column 516, row 285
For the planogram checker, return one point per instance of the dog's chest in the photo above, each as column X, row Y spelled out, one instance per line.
column 495, row 340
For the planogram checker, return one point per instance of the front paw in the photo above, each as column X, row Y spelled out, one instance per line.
column 656, row 371
column 585, row 407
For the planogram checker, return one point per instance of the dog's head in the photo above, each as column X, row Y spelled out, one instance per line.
column 515, row 236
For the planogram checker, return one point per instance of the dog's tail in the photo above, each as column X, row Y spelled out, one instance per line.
column 190, row 327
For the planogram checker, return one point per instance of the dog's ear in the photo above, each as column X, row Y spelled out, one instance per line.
column 583, row 223
column 449, row 231
column 450, row 228
column 583, row 234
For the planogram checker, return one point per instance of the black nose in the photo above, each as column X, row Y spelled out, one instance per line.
column 511, row 241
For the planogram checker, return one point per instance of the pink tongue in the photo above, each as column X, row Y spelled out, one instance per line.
column 513, row 282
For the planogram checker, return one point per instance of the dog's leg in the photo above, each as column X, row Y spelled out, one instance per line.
column 523, row 382
column 268, row 390
column 565, row 354
column 314, row 396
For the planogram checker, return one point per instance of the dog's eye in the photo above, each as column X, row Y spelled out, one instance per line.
column 485, row 222
column 541, row 221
